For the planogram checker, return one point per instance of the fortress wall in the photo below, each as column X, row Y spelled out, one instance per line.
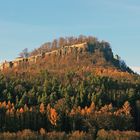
column 33, row 59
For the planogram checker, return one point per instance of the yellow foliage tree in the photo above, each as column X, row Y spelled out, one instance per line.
column 52, row 115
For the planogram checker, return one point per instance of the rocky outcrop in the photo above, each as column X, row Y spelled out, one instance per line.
column 76, row 48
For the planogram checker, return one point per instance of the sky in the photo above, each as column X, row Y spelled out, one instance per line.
column 30, row 23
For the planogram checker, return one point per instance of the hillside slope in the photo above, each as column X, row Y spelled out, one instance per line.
column 98, row 53
column 77, row 86
column 63, row 55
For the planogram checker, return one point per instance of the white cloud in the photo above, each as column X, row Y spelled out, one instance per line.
column 136, row 69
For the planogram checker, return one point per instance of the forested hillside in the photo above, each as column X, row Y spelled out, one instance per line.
column 81, row 95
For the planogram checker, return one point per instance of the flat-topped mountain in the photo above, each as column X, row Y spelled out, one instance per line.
column 71, row 84
column 69, row 53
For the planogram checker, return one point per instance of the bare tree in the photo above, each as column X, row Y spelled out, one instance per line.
column 62, row 42
column 54, row 44
column 24, row 53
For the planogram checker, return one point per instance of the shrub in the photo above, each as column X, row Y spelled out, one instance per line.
column 55, row 136
column 77, row 135
column 117, row 135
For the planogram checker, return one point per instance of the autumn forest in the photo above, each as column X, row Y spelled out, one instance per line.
column 78, row 92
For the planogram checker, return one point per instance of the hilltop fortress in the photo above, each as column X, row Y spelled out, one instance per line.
column 76, row 48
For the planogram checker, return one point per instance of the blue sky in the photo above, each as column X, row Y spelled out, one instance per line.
column 30, row 23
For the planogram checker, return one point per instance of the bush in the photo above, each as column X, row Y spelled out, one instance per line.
column 55, row 136
column 118, row 135
column 77, row 135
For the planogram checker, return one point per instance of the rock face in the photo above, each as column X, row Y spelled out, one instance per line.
column 98, row 54
column 76, row 48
